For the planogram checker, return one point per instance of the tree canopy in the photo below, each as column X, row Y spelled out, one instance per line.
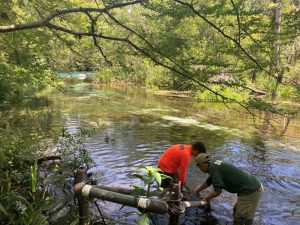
column 251, row 47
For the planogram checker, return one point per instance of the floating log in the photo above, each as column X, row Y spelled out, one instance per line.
column 151, row 205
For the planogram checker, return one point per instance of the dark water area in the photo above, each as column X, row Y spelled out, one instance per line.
column 134, row 127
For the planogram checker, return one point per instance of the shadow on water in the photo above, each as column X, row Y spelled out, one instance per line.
column 135, row 127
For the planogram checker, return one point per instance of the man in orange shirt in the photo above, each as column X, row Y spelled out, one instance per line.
column 176, row 159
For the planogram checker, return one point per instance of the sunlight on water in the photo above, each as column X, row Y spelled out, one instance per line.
column 193, row 122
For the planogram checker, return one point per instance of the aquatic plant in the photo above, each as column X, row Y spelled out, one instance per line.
column 73, row 151
column 151, row 177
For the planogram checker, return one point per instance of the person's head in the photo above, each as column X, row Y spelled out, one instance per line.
column 197, row 148
column 202, row 161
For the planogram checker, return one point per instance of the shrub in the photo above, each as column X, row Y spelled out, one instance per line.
column 238, row 94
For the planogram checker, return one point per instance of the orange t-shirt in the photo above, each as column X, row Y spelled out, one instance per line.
column 176, row 158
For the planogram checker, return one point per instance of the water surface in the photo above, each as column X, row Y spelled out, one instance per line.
column 134, row 127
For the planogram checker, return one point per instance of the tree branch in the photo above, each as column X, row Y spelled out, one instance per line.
column 146, row 41
column 93, row 24
column 226, row 36
column 238, row 19
column 60, row 12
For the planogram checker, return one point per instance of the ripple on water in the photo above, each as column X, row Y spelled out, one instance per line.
column 139, row 141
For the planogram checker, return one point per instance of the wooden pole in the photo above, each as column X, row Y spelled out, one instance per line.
column 83, row 202
column 121, row 190
column 151, row 205
column 175, row 217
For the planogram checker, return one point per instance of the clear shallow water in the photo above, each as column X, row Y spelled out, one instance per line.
column 133, row 128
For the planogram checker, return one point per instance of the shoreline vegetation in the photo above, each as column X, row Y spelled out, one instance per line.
column 286, row 97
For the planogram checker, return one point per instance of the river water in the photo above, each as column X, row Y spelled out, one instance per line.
column 134, row 127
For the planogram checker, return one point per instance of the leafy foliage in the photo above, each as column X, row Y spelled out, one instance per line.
column 150, row 176
column 72, row 149
column 25, row 195
column 160, row 44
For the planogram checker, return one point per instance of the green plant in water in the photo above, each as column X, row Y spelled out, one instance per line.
column 72, row 149
column 151, row 177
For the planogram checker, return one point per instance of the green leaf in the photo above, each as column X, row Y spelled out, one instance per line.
column 143, row 170
column 75, row 222
column 143, row 219
column 157, row 176
column 150, row 169
column 3, row 210
column 163, row 176
column 138, row 190
column 147, row 180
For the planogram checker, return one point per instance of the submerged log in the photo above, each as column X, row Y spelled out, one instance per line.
column 151, row 205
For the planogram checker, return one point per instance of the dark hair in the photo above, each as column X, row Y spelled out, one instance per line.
column 199, row 146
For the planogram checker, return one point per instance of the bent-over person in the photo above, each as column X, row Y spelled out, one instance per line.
column 175, row 160
column 234, row 180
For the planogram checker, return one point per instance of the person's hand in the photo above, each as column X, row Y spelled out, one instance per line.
column 204, row 203
column 188, row 194
column 205, row 199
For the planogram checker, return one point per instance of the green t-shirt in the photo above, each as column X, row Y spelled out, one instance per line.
column 230, row 178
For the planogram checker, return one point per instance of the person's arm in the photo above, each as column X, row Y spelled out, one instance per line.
column 211, row 195
column 216, row 180
column 184, row 163
column 201, row 188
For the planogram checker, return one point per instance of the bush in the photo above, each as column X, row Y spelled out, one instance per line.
column 287, row 92
column 238, row 94
column 24, row 194
column 21, row 203
column 158, row 78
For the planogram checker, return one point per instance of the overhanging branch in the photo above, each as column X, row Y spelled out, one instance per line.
column 60, row 12
column 236, row 42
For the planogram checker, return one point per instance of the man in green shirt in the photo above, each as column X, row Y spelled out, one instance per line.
column 234, row 180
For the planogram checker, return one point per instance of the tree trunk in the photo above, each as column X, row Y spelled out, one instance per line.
column 277, row 60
